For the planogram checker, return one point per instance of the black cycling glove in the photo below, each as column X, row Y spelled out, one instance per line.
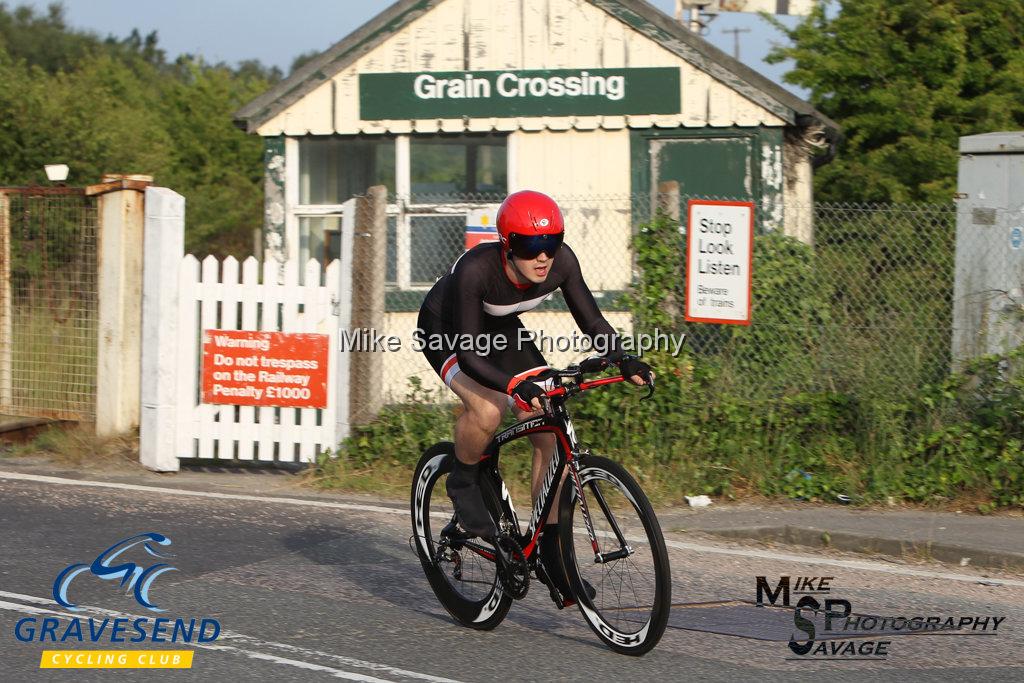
column 524, row 393
column 631, row 365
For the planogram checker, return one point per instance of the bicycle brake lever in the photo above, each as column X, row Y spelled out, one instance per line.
column 650, row 390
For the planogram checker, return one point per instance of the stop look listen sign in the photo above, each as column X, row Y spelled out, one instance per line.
column 719, row 260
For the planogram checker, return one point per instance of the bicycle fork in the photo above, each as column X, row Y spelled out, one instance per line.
column 625, row 550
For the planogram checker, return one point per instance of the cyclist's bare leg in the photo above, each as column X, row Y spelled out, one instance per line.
column 473, row 431
column 543, row 449
column 475, row 427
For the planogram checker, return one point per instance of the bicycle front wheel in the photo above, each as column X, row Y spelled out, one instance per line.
column 627, row 566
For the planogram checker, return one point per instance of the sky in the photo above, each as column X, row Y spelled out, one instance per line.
column 276, row 33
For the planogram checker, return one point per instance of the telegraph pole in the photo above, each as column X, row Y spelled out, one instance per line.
column 736, row 39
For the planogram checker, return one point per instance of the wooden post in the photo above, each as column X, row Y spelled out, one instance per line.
column 119, row 283
column 668, row 199
column 369, row 258
column 6, row 324
column 344, row 286
column 668, row 205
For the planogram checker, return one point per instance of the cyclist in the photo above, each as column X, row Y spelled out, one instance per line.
column 476, row 304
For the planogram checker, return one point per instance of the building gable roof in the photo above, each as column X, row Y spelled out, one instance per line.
column 637, row 14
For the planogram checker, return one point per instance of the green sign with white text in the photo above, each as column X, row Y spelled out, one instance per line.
column 502, row 94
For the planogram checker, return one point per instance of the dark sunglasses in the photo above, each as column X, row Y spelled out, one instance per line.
column 529, row 247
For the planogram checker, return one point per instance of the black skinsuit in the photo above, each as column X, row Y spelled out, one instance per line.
column 477, row 297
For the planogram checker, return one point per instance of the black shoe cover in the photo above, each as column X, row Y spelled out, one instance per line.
column 553, row 566
column 463, row 487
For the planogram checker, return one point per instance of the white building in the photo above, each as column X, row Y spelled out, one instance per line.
column 450, row 103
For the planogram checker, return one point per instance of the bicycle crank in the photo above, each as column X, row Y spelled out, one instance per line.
column 513, row 571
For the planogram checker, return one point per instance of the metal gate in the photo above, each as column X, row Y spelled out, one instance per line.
column 48, row 302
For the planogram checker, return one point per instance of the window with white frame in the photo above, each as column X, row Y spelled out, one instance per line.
column 330, row 171
column 433, row 181
column 456, row 167
column 449, row 175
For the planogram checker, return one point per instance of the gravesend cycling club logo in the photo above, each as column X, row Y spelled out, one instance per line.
column 132, row 565
column 138, row 579
column 829, row 629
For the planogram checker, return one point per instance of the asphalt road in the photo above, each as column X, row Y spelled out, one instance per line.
column 306, row 592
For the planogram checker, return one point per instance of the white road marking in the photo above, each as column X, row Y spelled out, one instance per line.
column 27, row 609
column 240, row 643
column 864, row 565
column 200, row 494
column 309, row 666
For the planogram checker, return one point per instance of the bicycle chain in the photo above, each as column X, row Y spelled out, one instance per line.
column 513, row 571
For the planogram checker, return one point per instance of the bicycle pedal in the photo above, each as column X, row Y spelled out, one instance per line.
column 455, row 534
column 556, row 598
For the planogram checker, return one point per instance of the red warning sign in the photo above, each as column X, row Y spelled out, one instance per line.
column 248, row 368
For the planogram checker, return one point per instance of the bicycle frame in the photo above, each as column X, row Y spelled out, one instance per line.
column 567, row 452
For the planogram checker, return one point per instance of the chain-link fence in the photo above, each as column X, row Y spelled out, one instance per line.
column 48, row 296
column 846, row 297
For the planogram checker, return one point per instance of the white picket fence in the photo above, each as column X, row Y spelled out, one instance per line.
column 212, row 297
column 182, row 298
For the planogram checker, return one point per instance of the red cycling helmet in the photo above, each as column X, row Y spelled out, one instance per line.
column 528, row 223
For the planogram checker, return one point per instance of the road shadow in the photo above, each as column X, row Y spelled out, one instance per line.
column 388, row 568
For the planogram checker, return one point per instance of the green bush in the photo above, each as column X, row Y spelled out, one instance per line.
column 402, row 431
column 969, row 442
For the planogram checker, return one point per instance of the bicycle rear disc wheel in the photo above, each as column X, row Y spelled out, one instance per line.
column 634, row 589
column 461, row 575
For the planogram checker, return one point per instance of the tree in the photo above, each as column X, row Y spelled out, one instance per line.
column 100, row 118
column 253, row 69
column 46, row 41
column 303, row 59
column 217, row 167
column 905, row 79
column 117, row 105
column 43, row 40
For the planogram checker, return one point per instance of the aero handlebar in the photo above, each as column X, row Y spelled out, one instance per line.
column 576, row 372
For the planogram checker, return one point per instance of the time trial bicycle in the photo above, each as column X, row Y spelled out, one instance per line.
column 610, row 540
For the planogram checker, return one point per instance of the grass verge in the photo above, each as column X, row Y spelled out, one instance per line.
column 77, row 445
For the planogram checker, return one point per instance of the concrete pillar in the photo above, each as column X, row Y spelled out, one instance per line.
column 119, row 285
column 369, row 258
column 164, row 249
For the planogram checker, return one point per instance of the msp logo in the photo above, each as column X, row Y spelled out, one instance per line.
column 833, row 631
column 133, row 577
